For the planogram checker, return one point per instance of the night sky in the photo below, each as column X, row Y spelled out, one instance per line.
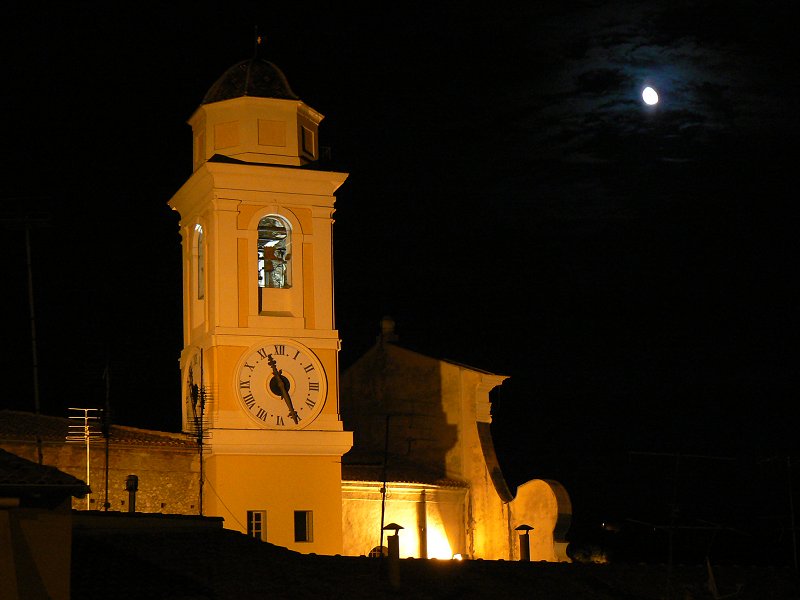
column 512, row 204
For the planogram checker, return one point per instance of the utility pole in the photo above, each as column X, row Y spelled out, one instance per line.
column 106, row 425
column 36, row 402
column 384, row 478
column 27, row 222
column 385, row 475
column 791, row 510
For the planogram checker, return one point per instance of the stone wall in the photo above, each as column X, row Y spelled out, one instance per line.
column 168, row 476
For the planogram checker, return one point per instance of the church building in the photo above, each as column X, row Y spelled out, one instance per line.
column 424, row 458
column 274, row 441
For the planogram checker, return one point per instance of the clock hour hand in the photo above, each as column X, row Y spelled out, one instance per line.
column 278, row 377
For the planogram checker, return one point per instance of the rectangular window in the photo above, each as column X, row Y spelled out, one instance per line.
column 303, row 526
column 257, row 524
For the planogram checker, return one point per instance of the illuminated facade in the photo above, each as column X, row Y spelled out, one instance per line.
column 422, row 425
column 261, row 373
column 260, row 350
column 265, row 434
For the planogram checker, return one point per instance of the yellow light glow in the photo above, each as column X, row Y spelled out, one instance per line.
column 438, row 546
column 458, row 557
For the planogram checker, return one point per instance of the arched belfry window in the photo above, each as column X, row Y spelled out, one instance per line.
column 201, row 262
column 274, row 252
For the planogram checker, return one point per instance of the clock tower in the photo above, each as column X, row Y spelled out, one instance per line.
column 260, row 357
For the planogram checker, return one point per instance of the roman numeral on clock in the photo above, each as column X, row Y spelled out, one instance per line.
column 313, row 386
column 280, row 349
column 249, row 400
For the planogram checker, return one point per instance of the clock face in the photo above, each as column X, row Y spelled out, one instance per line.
column 191, row 393
column 281, row 385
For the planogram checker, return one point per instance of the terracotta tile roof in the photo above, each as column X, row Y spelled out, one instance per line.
column 16, row 426
column 369, row 474
column 362, row 467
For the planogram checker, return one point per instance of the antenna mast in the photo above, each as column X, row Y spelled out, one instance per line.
column 198, row 398
column 200, row 431
column 106, row 425
column 84, row 432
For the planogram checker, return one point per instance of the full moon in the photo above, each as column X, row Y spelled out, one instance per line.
column 649, row 96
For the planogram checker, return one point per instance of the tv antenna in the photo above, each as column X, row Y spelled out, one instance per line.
column 85, row 430
column 198, row 397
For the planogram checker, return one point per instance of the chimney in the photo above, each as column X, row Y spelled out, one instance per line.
column 387, row 331
column 132, row 485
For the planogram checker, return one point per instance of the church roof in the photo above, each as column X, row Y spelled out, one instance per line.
column 363, row 464
column 415, row 474
column 389, row 339
column 254, row 77
column 17, row 426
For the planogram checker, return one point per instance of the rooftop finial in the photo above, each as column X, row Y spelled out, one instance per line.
column 387, row 330
column 257, row 41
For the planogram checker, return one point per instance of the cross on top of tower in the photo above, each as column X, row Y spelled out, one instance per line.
column 258, row 40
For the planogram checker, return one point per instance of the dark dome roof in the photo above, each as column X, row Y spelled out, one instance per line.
column 254, row 77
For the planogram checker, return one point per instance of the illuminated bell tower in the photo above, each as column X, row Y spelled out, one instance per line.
column 258, row 315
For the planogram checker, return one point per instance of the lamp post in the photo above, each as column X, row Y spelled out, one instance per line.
column 524, row 542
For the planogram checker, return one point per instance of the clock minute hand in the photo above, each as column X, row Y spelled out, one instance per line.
column 284, row 393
